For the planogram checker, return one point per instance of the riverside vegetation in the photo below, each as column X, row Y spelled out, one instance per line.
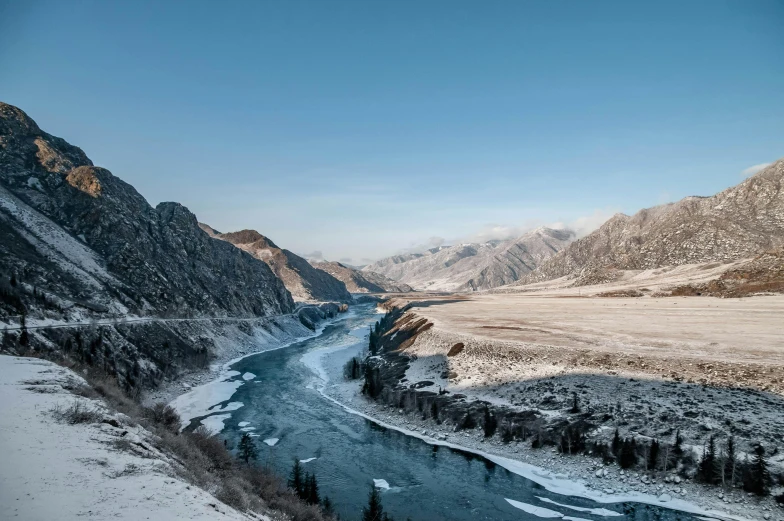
column 718, row 463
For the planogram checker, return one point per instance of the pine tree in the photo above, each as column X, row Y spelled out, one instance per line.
column 247, row 449
column 575, row 404
column 326, row 506
column 374, row 511
column 305, row 492
column 730, row 461
column 653, row 455
column 295, row 479
column 434, row 410
column 707, row 467
column 677, row 448
column 24, row 337
column 758, row 476
column 628, row 453
column 616, row 443
column 490, row 423
column 313, row 491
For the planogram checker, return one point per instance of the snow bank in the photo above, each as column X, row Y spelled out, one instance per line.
column 52, row 470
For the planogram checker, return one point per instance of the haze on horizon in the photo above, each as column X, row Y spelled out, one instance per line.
column 360, row 129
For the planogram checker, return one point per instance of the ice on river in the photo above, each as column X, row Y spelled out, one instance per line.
column 271, row 441
column 214, row 423
column 248, row 376
column 381, row 483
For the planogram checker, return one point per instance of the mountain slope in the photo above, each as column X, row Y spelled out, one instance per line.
column 739, row 222
column 474, row 267
column 358, row 281
column 305, row 282
column 81, row 234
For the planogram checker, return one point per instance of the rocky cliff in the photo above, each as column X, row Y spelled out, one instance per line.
column 306, row 283
column 358, row 281
column 89, row 270
column 76, row 231
column 739, row 222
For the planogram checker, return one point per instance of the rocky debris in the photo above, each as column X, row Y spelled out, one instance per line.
column 358, row 281
column 473, row 267
column 606, row 478
column 739, row 222
column 80, row 233
column 305, row 282
column 762, row 274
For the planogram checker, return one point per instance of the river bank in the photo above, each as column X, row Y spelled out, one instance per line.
column 569, row 475
column 236, row 344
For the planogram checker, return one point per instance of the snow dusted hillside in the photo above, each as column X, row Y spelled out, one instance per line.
column 474, row 266
column 107, row 468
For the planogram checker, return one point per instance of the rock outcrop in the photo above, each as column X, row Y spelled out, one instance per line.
column 358, row 281
column 742, row 221
column 306, row 283
column 80, row 234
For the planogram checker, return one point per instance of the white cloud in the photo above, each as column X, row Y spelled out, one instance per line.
column 314, row 255
column 432, row 242
column 582, row 226
column 750, row 171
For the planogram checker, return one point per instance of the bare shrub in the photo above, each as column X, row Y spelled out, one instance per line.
column 77, row 413
column 231, row 493
column 164, row 415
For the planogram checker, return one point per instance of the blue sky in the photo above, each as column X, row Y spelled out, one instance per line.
column 360, row 129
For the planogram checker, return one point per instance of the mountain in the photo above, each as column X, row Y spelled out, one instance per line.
column 82, row 236
column 474, row 266
column 305, row 282
column 358, row 281
column 739, row 222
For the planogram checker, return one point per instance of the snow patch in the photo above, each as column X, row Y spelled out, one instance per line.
column 248, row 376
column 381, row 483
column 271, row 441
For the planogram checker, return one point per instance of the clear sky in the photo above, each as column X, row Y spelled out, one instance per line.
column 362, row 128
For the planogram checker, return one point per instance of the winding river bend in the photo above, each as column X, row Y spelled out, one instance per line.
column 282, row 405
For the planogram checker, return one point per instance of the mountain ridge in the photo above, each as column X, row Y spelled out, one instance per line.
column 740, row 221
column 304, row 282
column 474, row 266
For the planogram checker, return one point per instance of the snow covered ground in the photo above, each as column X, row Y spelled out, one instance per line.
column 53, row 470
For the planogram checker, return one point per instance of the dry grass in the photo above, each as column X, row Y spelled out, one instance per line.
column 77, row 413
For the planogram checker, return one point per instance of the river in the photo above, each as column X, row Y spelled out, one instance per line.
column 281, row 400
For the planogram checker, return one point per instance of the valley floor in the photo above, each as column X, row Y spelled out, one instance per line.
column 704, row 366
column 100, row 469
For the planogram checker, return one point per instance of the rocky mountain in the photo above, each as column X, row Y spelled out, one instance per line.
column 305, row 282
column 739, row 222
column 82, row 236
column 358, row 281
column 474, row 266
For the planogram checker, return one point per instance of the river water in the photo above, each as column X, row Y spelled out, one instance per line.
column 281, row 401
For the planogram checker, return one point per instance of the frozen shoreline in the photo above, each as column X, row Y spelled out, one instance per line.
column 218, row 383
column 570, row 476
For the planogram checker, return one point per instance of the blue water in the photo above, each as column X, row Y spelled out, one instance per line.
column 427, row 483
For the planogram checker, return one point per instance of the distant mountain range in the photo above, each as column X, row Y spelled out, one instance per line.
column 742, row 221
column 474, row 266
column 304, row 282
column 358, row 281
